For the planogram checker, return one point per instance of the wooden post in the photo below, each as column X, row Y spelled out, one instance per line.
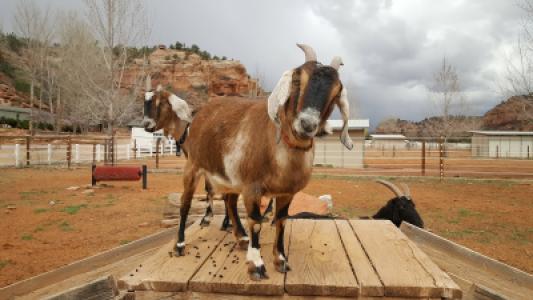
column 135, row 149
column 145, row 177
column 94, row 153
column 69, row 151
column 497, row 152
column 393, row 150
column 28, row 155
column 105, row 151
column 157, row 144
column 113, row 152
column 423, row 158
column 441, row 158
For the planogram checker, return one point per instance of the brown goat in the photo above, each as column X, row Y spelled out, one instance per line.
column 237, row 145
column 164, row 110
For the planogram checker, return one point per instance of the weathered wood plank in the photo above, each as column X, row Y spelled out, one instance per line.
column 102, row 288
column 369, row 282
column 473, row 267
column 226, row 270
column 389, row 250
column 164, row 273
column 318, row 261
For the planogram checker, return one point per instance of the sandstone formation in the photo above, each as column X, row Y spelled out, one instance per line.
column 194, row 79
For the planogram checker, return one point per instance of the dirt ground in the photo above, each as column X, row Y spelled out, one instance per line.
column 44, row 225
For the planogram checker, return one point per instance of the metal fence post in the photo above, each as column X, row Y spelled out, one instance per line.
column 69, row 151
column 423, row 166
column 49, row 154
column 94, row 154
column 157, row 146
column 28, row 152
column 441, row 158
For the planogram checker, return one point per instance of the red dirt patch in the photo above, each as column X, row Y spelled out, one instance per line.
column 493, row 217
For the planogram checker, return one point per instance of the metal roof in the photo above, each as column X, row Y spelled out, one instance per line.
column 352, row 124
column 503, row 133
column 388, row 137
column 14, row 109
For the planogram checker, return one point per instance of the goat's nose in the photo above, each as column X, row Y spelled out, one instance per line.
column 308, row 126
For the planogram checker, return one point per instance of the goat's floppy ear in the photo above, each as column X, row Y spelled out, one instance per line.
column 278, row 97
column 344, row 107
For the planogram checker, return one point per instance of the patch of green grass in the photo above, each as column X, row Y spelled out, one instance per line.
column 74, row 209
column 124, row 242
column 65, row 226
column 39, row 228
column 521, row 236
column 464, row 213
column 40, row 210
column 4, row 263
column 26, row 237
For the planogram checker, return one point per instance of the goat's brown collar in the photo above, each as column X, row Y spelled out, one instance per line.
column 290, row 144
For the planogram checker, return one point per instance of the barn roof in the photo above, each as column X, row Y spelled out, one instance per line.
column 388, row 136
column 502, row 133
column 352, row 124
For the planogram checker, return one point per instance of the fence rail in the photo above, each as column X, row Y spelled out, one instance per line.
column 423, row 157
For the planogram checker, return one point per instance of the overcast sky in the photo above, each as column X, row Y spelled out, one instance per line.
column 390, row 49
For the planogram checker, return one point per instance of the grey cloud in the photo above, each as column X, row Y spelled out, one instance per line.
column 390, row 48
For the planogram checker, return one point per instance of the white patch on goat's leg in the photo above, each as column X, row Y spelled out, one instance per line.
column 254, row 255
column 148, row 96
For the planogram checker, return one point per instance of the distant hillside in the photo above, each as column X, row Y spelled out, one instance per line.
column 430, row 127
column 516, row 113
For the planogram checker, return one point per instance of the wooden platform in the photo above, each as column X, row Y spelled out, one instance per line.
column 365, row 258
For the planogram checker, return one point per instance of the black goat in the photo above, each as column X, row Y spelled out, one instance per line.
column 400, row 208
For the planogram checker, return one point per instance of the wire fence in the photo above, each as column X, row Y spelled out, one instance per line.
column 413, row 157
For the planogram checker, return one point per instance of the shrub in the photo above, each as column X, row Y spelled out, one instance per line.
column 22, row 86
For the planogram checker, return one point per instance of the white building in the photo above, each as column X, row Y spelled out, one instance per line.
column 389, row 141
column 502, row 144
column 329, row 151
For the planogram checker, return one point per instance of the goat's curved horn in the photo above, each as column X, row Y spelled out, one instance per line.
column 391, row 186
column 310, row 54
column 406, row 191
column 336, row 62
column 148, row 83
column 344, row 107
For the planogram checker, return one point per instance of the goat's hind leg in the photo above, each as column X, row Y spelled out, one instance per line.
column 208, row 216
column 238, row 230
column 282, row 212
column 226, row 223
column 190, row 180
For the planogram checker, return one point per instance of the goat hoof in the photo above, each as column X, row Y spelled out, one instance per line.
column 257, row 273
column 282, row 266
column 243, row 244
column 226, row 227
column 204, row 222
column 179, row 251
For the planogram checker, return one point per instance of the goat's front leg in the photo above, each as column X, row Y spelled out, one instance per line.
column 282, row 212
column 190, row 180
column 256, row 266
column 206, row 220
